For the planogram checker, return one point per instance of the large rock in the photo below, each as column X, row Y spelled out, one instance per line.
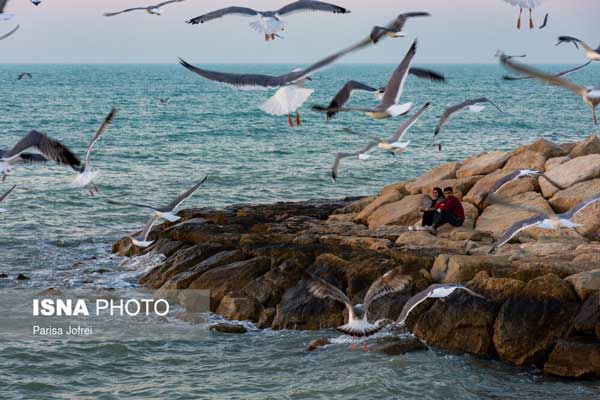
column 237, row 306
column 587, row 321
column 585, row 283
column 424, row 239
column 483, row 164
column 574, row 358
column 497, row 290
column 403, row 212
column 530, row 323
column 356, row 206
column 386, row 197
column 555, row 162
column 460, row 186
column 544, row 147
column 566, row 199
column 528, row 159
column 574, row 171
column 479, row 192
column 589, row 219
column 591, row 145
column 445, row 171
column 462, row 269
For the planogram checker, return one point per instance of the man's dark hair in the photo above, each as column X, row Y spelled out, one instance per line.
column 448, row 189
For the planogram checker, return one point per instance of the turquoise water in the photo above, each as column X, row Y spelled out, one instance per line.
column 152, row 152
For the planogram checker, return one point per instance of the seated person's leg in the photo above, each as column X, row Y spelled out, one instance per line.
column 428, row 217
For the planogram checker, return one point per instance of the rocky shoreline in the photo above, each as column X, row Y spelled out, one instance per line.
column 542, row 290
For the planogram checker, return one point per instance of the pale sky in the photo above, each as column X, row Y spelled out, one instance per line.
column 467, row 31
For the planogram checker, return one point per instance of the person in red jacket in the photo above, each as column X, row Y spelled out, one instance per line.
column 450, row 211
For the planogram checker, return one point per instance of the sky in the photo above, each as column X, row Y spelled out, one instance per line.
column 459, row 31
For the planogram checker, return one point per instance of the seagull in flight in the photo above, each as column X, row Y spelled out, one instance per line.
column 394, row 144
column 529, row 4
column 4, row 16
column 358, row 322
column 23, row 75
column 591, row 53
column 164, row 101
column 16, row 28
column 394, row 28
column 4, row 197
column 269, row 22
column 152, row 10
column 545, row 23
column 86, row 174
column 563, row 73
column 472, row 105
column 166, row 212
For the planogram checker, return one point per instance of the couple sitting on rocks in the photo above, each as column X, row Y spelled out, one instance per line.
column 445, row 208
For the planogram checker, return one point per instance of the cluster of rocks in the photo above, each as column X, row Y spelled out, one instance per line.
column 542, row 303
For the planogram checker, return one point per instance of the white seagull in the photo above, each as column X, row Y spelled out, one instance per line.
column 269, row 22
column 4, row 197
column 87, row 175
column 591, row 53
column 358, row 322
column 590, row 94
column 4, row 16
column 529, row 4
column 435, row 291
column 394, row 28
column 287, row 100
column 152, row 10
column 166, row 212
column 472, row 105
column 394, row 144
column 518, row 174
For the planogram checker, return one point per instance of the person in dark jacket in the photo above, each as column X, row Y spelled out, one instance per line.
column 450, row 211
column 429, row 214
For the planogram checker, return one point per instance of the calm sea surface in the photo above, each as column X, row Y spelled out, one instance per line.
column 151, row 152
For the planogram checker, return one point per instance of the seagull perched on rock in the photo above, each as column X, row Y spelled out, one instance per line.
column 37, row 143
column 152, row 10
column 591, row 53
column 394, row 144
column 394, row 28
column 4, row 197
column 166, row 212
column 358, row 322
column 590, row 94
column 269, row 22
column 435, row 291
column 86, row 174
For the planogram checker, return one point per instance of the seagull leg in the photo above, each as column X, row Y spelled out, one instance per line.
column 519, row 20
column 272, row 36
column 365, row 348
column 298, row 118
column 96, row 188
column 352, row 347
column 530, row 20
column 4, row 177
column 290, row 120
column 91, row 192
column 266, row 37
column 593, row 112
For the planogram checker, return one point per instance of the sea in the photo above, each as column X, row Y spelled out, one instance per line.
column 61, row 237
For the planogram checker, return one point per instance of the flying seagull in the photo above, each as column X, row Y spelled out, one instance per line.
column 164, row 101
column 394, row 144
column 590, row 94
column 473, row 105
column 591, row 53
column 394, row 28
column 269, row 22
column 4, row 16
column 518, row 174
column 358, row 322
column 36, row 2
column 563, row 73
column 543, row 220
column 16, row 28
column 388, row 106
column 152, row 10
column 435, row 291
column 86, row 174
column 23, row 158
column 545, row 23
column 4, row 197
column 23, row 75
column 37, row 143
column 529, row 4
column 287, row 100
column 166, row 212
column 346, row 92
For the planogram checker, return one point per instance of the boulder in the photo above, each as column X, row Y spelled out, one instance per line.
column 591, row 145
column 445, row 171
column 403, row 212
column 574, row 171
column 387, row 197
column 460, row 186
column 478, row 193
column 484, row 164
column 22, row 277
column 544, row 147
column 395, row 346
column 527, row 159
column 395, row 187
column 530, row 323
column 440, row 268
column 423, row 239
column 575, row 358
column 497, row 290
column 555, row 162
column 316, row 343
column 589, row 219
column 527, row 269
column 228, row 328
column 568, row 198
column 588, row 319
column 462, row 269
column 585, row 283
column 356, row 206
column 237, row 306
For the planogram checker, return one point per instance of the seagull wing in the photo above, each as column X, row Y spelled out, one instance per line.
column 7, row 193
column 124, row 11
column 29, row 158
column 454, row 109
column 427, row 74
column 390, row 282
column 342, row 97
column 415, row 301
column 322, row 289
column 121, row 203
column 580, row 207
column 164, row 3
column 569, row 39
column 406, row 126
column 563, row 73
column 395, row 86
column 2, row 5
column 185, row 195
column 243, row 11
column 311, row 5
column 339, row 156
column 149, row 225
column 545, row 22
column 516, row 228
column 107, row 120
column 504, row 180
column 48, row 147
column 16, row 28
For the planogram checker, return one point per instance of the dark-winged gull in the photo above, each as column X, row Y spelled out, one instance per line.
column 269, row 22
column 394, row 28
column 23, row 158
column 36, row 2
column 152, row 10
column 473, row 105
column 23, row 75
column 542, row 220
column 545, row 23
column 394, row 144
column 590, row 94
column 287, row 100
column 529, row 4
column 164, row 101
column 591, row 53
column 87, row 174
column 4, row 197
column 37, row 143
column 166, row 212
column 563, row 73
column 358, row 322
column 435, row 291
column 16, row 28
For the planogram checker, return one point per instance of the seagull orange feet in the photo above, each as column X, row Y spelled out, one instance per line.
column 290, row 120
column 519, row 19
column 298, row 119
column 530, row 20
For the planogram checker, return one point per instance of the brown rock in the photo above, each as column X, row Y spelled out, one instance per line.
column 228, row 328
column 528, row 159
column 421, row 239
column 445, row 171
column 22, row 277
column 477, row 195
column 236, row 306
column 591, row 145
column 544, row 147
column 316, row 343
column 589, row 218
column 555, row 162
column 440, row 268
column 574, row 171
column 462, row 269
column 484, row 164
column 460, row 186
column 395, row 346
column 355, row 206
column 585, row 283
column 403, row 212
column 342, row 217
column 529, row 324
column 497, row 290
column 574, row 358
column 387, row 197
column 588, row 258
column 395, row 187
column 191, row 318
column 588, row 318
column 568, row 198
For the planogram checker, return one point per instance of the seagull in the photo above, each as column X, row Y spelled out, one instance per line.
column 530, row 4
column 287, row 100
column 36, row 2
column 166, row 212
column 4, row 197
column 16, row 28
column 164, row 101
column 394, row 144
column 543, row 25
column 23, row 75
column 435, row 291
column 473, row 105
column 23, row 158
column 513, row 176
column 543, row 220
column 3, row 15
column 388, row 106
column 86, row 174
column 152, row 10
column 590, row 94
column 269, row 22
column 591, row 53
column 358, row 322
column 563, row 73
column 346, row 92
column 394, row 28
column 37, row 143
